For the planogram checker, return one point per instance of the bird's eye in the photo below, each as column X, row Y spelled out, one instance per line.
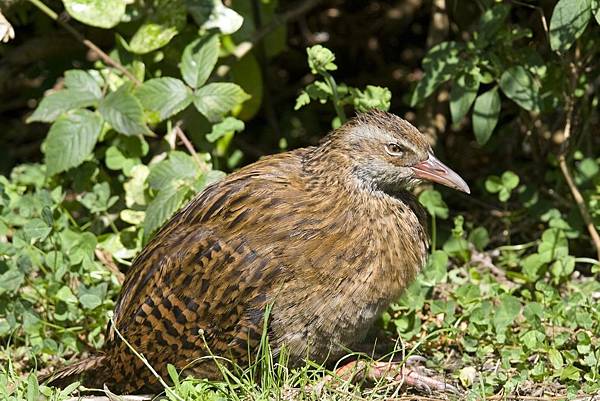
column 394, row 149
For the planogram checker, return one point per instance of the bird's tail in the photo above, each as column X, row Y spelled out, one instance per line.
column 88, row 371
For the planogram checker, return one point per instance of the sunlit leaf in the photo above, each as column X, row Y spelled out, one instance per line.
column 569, row 20
column 99, row 13
column 485, row 115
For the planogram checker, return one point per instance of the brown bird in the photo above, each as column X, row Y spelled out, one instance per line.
column 328, row 235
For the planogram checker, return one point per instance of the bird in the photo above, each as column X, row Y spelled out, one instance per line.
column 324, row 237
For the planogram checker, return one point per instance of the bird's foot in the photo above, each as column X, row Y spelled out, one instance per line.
column 408, row 373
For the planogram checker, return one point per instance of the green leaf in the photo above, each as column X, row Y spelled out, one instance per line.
column 373, row 97
column 71, row 140
column 82, row 81
column 510, row 180
column 36, row 229
column 135, row 187
column 596, row 10
column 518, row 84
column 165, row 96
column 11, row 280
column 66, row 295
column 216, row 99
column 433, row 202
column 506, row 312
column 123, row 112
column 464, row 92
column 569, row 20
column 439, row 65
column 55, row 104
column 485, row 115
column 492, row 21
column 320, row 59
column 227, row 126
column 163, row 206
column 480, row 238
column 222, row 18
column 199, row 59
column 179, row 166
column 167, row 20
column 555, row 358
column 98, row 13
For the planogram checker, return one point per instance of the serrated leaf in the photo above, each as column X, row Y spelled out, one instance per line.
column 166, row 96
column 167, row 20
column 71, row 140
column 320, row 59
column 55, row 104
column 228, row 125
column 569, row 20
column 373, row 97
column 216, row 99
column 163, row 206
column 82, row 81
column 463, row 94
column 518, row 84
column 179, row 166
column 98, row 13
column 485, row 115
column 199, row 59
column 123, row 112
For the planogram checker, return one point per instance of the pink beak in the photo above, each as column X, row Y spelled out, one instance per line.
column 434, row 170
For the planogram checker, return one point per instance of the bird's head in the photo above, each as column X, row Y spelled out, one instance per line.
column 388, row 153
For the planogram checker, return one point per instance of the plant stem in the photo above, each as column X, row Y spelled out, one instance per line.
column 564, row 166
column 433, row 233
column 339, row 110
column 86, row 42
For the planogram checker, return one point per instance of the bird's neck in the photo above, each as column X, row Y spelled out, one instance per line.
column 333, row 173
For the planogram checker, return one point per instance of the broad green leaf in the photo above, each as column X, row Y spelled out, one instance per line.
column 166, row 20
column 71, row 140
column 11, row 280
column 199, row 59
column 82, row 81
column 216, row 99
column 166, row 96
column 228, row 125
column 55, row 104
column 518, row 84
column 66, row 295
column 555, row 358
column 98, row 13
column 210, row 14
column 179, row 166
column 510, row 180
column 123, row 112
column 480, row 238
column 596, row 10
column 492, row 21
column 439, row 65
column 433, row 202
column 247, row 74
column 463, row 93
column 506, row 312
column 485, row 115
column 554, row 245
column 163, row 206
column 36, row 229
column 569, row 20
column 436, row 269
column 320, row 59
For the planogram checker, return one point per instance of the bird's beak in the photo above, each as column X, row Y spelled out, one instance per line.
column 434, row 170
